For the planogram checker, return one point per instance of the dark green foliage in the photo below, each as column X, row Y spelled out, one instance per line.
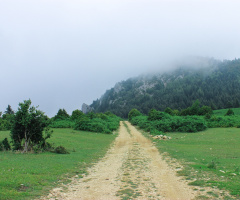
column 63, row 120
column 9, row 110
column 98, row 122
column 157, row 115
column 28, row 126
column 229, row 112
column 216, row 86
column 58, row 123
column 133, row 113
column 4, row 145
column 61, row 150
column 206, row 110
column 223, row 121
column 195, row 109
column 76, row 115
column 157, row 122
column 169, row 111
column 61, row 115
column 6, row 119
column 3, row 124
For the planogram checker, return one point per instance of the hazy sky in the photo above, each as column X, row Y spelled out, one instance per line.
column 62, row 53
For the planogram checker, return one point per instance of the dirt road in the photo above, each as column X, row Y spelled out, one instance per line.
column 132, row 169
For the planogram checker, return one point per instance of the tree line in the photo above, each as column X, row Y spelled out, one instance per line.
column 30, row 128
column 216, row 86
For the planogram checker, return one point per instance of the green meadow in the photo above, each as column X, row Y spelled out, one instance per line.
column 210, row 158
column 28, row 176
column 222, row 112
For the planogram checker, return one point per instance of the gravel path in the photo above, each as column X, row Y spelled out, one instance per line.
column 131, row 169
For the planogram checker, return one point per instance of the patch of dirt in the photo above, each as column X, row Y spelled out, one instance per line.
column 131, row 169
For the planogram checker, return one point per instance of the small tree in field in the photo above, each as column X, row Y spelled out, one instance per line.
column 28, row 126
column 229, row 112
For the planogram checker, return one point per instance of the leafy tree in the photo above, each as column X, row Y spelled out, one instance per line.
column 76, row 115
column 133, row 113
column 28, row 127
column 61, row 114
column 9, row 110
column 6, row 145
column 229, row 112
column 169, row 111
column 205, row 110
column 8, row 118
column 157, row 115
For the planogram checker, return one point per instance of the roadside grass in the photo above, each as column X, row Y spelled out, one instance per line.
column 28, row 176
column 211, row 157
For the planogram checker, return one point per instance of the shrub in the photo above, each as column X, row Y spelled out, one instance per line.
column 157, row 115
column 67, row 123
column 61, row 150
column 212, row 165
column 100, row 123
column 61, row 114
column 4, row 145
column 229, row 112
column 133, row 113
column 28, row 126
column 76, row 115
column 169, row 123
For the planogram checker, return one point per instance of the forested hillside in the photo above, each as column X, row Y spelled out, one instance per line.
column 215, row 84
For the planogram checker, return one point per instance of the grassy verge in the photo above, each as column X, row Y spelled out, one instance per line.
column 27, row 176
column 222, row 112
column 214, row 156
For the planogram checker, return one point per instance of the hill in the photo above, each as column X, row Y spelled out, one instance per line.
column 214, row 83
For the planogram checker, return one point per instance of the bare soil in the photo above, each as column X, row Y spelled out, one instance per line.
column 131, row 169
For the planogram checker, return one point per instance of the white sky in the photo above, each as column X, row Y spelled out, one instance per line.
column 62, row 53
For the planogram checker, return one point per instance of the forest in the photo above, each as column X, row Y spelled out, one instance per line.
column 216, row 85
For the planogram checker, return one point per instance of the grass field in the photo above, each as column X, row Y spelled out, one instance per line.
column 27, row 176
column 211, row 157
column 222, row 112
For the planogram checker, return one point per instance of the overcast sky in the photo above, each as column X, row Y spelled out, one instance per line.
column 62, row 53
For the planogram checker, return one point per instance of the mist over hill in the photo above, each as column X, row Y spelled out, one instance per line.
column 214, row 83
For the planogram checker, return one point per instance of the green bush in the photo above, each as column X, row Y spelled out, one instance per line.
column 61, row 150
column 226, row 121
column 133, row 113
column 67, row 123
column 99, row 122
column 4, row 145
column 229, row 112
column 157, row 115
column 158, row 122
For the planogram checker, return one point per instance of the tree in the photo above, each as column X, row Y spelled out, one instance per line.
column 205, row 110
column 61, row 114
column 76, row 115
column 9, row 110
column 229, row 112
column 28, row 126
column 133, row 113
column 5, row 145
column 169, row 111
